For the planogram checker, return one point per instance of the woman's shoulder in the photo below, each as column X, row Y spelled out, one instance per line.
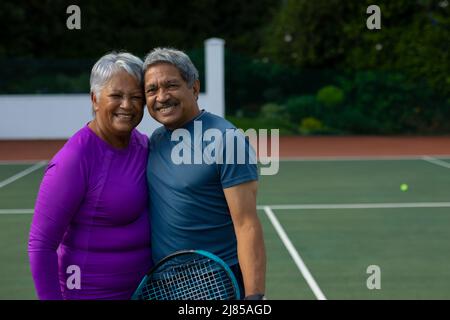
column 76, row 147
column 82, row 139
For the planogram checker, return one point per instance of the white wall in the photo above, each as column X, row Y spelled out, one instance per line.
column 59, row 116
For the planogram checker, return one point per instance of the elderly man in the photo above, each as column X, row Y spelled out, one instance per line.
column 209, row 205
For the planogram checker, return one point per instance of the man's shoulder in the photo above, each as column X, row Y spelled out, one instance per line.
column 212, row 121
column 157, row 133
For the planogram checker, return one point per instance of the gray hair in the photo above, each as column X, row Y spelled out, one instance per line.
column 110, row 64
column 175, row 57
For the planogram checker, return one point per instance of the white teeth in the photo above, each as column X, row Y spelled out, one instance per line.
column 165, row 109
column 124, row 116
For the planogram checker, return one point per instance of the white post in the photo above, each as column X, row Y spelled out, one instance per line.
column 215, row 75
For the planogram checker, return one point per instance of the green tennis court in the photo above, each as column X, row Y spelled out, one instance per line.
column 325, row 223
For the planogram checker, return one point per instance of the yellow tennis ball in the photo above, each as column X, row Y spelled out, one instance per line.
column 404, row 187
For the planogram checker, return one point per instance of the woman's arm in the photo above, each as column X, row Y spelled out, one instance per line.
column 60, row 194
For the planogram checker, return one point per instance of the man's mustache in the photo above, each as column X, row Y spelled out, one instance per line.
column 166, row 104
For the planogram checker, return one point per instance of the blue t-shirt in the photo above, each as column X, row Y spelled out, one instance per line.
column 187, row 170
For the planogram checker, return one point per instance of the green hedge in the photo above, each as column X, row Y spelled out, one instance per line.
column 365, row 102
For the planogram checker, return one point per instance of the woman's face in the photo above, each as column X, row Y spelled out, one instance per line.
column 120, row 105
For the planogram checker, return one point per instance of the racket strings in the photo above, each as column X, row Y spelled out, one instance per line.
column 197, row 280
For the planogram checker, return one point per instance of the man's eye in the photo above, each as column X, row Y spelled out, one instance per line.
column 136, row 98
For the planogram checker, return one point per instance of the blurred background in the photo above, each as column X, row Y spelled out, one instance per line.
column 306, row 67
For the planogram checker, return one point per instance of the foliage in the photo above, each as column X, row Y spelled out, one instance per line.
column 37, row 28
column 389, row 103
column 258, row 123
column 311, row 125
column 300, row 107
column 413, row 40
column 273, row 111
column 330, row 96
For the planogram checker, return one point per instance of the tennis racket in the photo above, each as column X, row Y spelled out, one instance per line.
column 189, row 275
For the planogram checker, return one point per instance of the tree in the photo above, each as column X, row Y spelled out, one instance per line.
column 414, row 38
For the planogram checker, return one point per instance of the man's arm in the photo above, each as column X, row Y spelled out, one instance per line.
column 241, row 200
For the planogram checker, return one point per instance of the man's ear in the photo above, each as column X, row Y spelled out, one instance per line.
column 196, row 88
column 94, row 100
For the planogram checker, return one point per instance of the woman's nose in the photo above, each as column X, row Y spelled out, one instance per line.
column 126, row 103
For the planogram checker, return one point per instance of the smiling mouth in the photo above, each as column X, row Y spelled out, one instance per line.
column 124, row 116
column 166, row 108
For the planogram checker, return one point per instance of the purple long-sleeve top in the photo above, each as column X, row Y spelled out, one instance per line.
column 91, row 219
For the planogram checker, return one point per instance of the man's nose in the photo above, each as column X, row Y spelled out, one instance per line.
column 162, row 95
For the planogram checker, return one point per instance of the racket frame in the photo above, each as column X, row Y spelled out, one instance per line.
column 207, row 254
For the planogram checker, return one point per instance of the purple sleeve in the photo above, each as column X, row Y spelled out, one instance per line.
column 60, row 195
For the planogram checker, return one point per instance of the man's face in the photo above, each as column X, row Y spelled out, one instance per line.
column 120, row 105
column 169, row 99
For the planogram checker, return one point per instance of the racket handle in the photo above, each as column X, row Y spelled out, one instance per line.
column 258, row 296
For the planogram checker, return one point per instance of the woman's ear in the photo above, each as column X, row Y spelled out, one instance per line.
column 94, row 100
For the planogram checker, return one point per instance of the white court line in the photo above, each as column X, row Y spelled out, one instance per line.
column 16, row 211
column 311, row 206
column 22, row 173
column 18, row 162
column 295, row 159
column 359, row 205
column 356, row 158
column 436, row 161
column 294, row 254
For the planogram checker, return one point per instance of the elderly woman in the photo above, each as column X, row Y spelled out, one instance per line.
column 90, row 235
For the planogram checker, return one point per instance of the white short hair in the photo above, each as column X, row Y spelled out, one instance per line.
column 108, row 65
column 175, row 57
